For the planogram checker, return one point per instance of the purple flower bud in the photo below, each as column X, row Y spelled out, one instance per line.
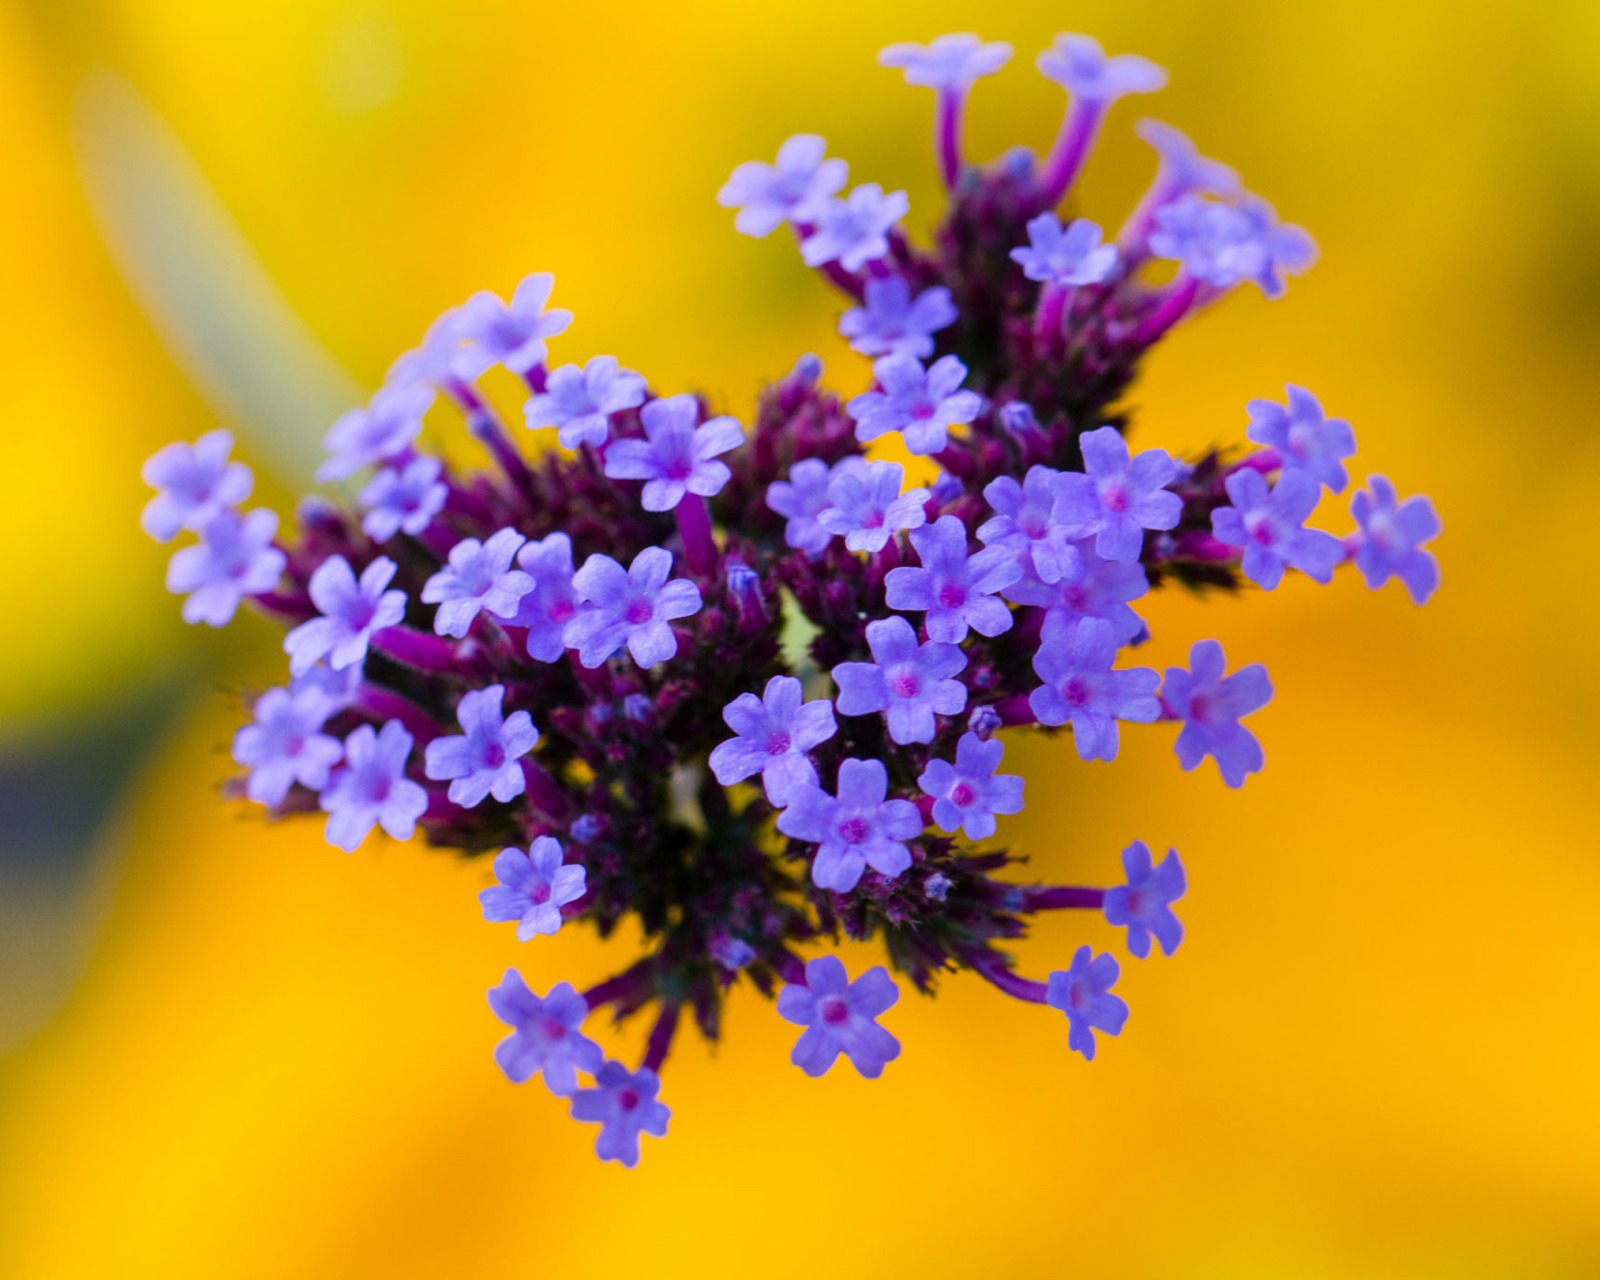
column 511, row 335
column 632, row 607
column 678, row 457
column 908, row 682
column 840, row 1016
column 478, row 576
column 731, row 953
column 196, row 484
column 1073, row 256
column 1210, row 706
column 890, row 322
column 774, row 733
column 1144, row 904
column 858, row 829
column 283, row 745
column 483, row 761
column 403, row 501
column 1081, row 688
column 953, row 589
column 533, row 888
column 371, row 788
column 1391, row 536
column 1017, row 419
column 623, row 1103
column 545, row 1034
column 853, row 231
column 1115, row 499
column 946, row 488
column 1083, row 994
column 866, row 506
column 984, row 722
column 807, row 369
column 384, row 429
column 1269, row 526
column 767, row 195
column 921, row 404
column 234, row 558
column 948, row 62
column 586, row 828
column 937, row 886
column 580, row 402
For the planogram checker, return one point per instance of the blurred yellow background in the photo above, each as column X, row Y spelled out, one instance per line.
column 234, row 1052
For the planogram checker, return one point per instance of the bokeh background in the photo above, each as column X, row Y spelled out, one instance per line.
column 228, row 1050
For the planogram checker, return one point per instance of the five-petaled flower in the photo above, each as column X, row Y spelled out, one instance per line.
column 775, row 731
column 907, row 681
column 1083, row 993
column 1270, row 527
column 1183, row 169
column 800, row 499
column 1069, row 256
column 891, row 322
column 404, row 500
column 284, row 744
column 1210, row 706
column 533, row 888
column 486, row 760
column 371, row 788
column 1389, row 541
column 866, row 506
column 633, row 606
column 968, row 794
column 234, row 558
column 195, row 484
column 478, row 576
column 840, row 1016
column 351, row 612
column 1305, row 439
column 1074, row 661
column 513, row 335
column 546, row 1037
column 857, row 829
column 580, row 402
column 1144, row 905
column 1079, row 65
column 953, row 589
column 921, row 404
column 1114, row 499
column 546, row 610
column 623, row 1103
column 1025, row 522
column 677, row 457
column 853, row 231
column 794, row 189
column 383, row 430
column 948, row 62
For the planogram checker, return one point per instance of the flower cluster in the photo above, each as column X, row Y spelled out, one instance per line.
column 748, row 685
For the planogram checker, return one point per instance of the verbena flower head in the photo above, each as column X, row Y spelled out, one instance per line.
column 1268, row 524
column 1025, row 524
column 579, row 402
column 533, row 888
column 795, row 188
column 1211, row 704
column 352, row 610
column 196, row 483
column 1062, row 256
column 921, row 404
column 947, row 62
column 891, row 322
column 840, row 1016
column 1143, row 905
column 1389, row 541
column 1089, row 588
column 677, row 456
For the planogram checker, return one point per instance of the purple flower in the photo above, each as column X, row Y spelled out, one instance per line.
column 580, row 402
column 774, row 733
column 283, row 745
column 632, row 607
column 533, row 888
column 1222, row 244
column 1303, row 437
column 1210, row 706
column 767, row 195
column 677, row 457
column 800, row 499
column 1061, row 257
column 866, row 505
column 484, row 760
column 1272, row 247
column 955, row 590
column 908, row 682
column 1080, row 686
column 1024, row 522
column 546, row 610
column 1080, row 66
column 196, row 483
column 545, row 1034
column 478, row 576
column 404, row 500
column 840, row 1016
column 383, row 430
column 624, row 1105
column 1389, row 541
column 1090, row 588
column 1115, row 500
column 969, row 793
column 351, row 612
column 495, row 333
column 1083, row 994
column 1144, row 904
column 1269, row 527
column 338, row 688
column 853, row 231
column 949, row 62
column 233, row 559
column 1183, row 168
column 891, row 323
column 431, row 361
column 855, row 830
column 371, row 788
column 921, row 404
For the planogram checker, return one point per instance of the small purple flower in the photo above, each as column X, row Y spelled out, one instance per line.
column 624, row 1105
column 546, row 610
column 840, row 1016
column 545, row 1034
column 1080, row 66
column 1144, row 904
column 1272, row 247
column 1389, row 540
column 853, row 231
column 382, row 430
column 1210, row 706
column 632, row 607
column 1083, row 994
column 921, row 404
column 405, row 500
column 1017, row 418
column 774, row 733
column 855, row 830
column 1090, row 588
column 1080, row 686
column 196, row 483
column 906, row 681
column 866, row 505
column 678, row 457
column 484, row 760
column 495, row 333
column 1269, row 526
column 1204, row 237
column 890, row 322
column 948, row 62
column 800, row 499
column 1115, row 500
column 283, row 745
column 371, row 788
column 431, row 361
column 478, row 576
column 1303, row 437
column 732, row 954
column 338, row 688
column 767, row 195
column 1183, row 168
column 1024, row 522
column 233, row 559
column 969, row 793
column 533, row 888
column 351, row 612
column 955, row 590
column 580, row 402
column 1072, row 256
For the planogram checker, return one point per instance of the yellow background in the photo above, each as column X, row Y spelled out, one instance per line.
column 1378, row 1053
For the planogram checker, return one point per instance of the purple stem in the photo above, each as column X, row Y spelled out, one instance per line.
column 384, row 704
column 1133, row 240
column 435, row 654
column 1015, row 710
column 1052, row 307
column 1079, row 127
column 1262, row 460
column 660, row 1042
column 694, row 526
column 947, row 133
column 544, row 793
column 625, row 984
column 991, row 965
column 1061, row 897
column 1172, row 308
column 791, row 968
column 1199, row 545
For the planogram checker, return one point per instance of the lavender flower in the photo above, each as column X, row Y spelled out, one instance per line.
column 853, row 231
column 1115, row 500
column 234, row 558
column 624, row 1105
column 1080, row 687
column 1210, row 706
column 767, row 195
column 195, row 482
column 351, row 612
column 533, row 888
column 495, row 333
column 371, row 788
column 906, row 681
column 1304, row 438
column 678, row 457
column 1073, row 256
column 948, row 62
column 405, row 500
column 1024, row 523
column 1390, row 538
column 1080, row 66
column 483, row 761
column 580, row 402
column 858, row 829
column 338, row 689
column 800, row 499
column 1083, row 994
column 1272, row 247
column 1269, row 528
column 478, row 576
column 1183, row 168
column 1144, row 905
column 921, row 404
column 431, row 362
column 732, row 954
column 866, row 505
column 546, row 610
column 969, row 793
column 385, row 429
column 1090, row 588
column 955, row 590
column 891, row 322
column 774, row 733
column 545, row 1035
column 283, row 745
column 632, row 607
column 840, row 1016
